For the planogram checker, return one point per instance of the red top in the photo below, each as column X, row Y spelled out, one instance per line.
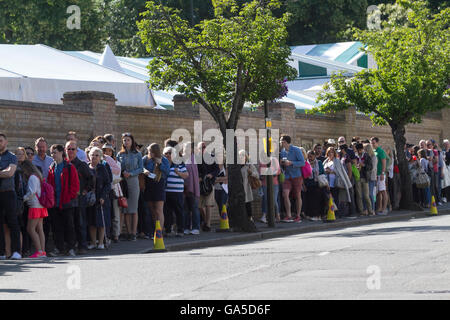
column 68, row 192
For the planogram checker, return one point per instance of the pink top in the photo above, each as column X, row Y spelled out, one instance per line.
column 275, row 167
column 115, row 169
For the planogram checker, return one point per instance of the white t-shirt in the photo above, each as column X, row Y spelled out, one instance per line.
column 33, row 191
column 331, row 176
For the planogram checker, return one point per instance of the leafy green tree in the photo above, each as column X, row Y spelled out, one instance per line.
column 45, row 22
column 324, row 21
column 220, row 64
column 411, row 78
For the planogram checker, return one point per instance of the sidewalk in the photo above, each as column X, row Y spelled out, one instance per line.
column 212, row 239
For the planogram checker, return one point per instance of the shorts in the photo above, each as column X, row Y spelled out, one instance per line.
column 207, row 201
column 381, row 185
column 37, row 213
column 294, row 185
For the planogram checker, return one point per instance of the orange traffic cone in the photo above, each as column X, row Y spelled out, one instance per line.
column 158, row 242
column 433, row 208
column 224, row 226
column 331, row 208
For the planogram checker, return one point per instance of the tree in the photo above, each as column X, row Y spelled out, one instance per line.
column 324, row 21
column 220, row 63
column 45, row 22
column 411, row 78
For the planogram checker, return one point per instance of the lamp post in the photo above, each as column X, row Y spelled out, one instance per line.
column 269, row 177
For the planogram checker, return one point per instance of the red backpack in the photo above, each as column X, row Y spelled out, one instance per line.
column 47, row 198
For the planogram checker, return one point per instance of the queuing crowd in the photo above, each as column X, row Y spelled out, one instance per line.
column 88, row 199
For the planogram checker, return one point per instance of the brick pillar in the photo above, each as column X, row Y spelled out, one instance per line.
column 285, row 111
column 349, row 130
column 103, row 106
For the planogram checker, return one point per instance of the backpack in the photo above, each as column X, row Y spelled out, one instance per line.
column 306, row 170
column 47, row 198
column 206, row 186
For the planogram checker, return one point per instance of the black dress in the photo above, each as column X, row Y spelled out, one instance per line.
column 100, row 215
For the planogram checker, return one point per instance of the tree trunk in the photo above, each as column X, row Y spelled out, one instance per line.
column 239, row 221
column 406, row 201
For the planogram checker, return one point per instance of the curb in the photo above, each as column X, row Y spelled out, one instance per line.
column 270, row 234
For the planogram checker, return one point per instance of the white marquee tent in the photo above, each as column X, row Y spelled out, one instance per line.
column 37, row 73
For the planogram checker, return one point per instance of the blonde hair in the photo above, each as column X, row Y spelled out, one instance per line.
column 368, row 149
column 303, row 152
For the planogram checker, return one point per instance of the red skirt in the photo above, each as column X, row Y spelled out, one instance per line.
column 36, row 213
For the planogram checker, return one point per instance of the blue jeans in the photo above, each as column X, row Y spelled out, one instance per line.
column 191, row 213
column 275, row 199
column 372, row 185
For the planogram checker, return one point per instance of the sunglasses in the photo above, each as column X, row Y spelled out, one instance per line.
column 126, row 134
column 168, row 153
column 71, row 149
column 30, row 153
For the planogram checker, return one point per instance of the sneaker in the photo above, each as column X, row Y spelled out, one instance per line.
column 101, row 247
column 37, row 254
column 195, row 232
column 2, row 257
column 382, row 213
column 44, row 254
column 133, row 237
column 71, row 253
column 187, row 231
column 146, row 237
column 439, row 203
column 287, row 219
column 298, row 220
column 54, row 253
column 16, row 256
column 444, row 199
column 91, row 246
column 179, row 234
column 263, row 219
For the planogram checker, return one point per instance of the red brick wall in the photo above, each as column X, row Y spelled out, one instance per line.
column 94, row 113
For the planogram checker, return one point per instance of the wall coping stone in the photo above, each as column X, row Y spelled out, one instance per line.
column 45, row 106
column 88, row 95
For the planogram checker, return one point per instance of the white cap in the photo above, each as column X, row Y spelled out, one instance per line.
column 331, row 141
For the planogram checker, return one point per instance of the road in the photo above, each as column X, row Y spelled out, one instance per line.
column 397, row 260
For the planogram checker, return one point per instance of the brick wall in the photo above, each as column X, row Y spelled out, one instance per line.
column 95, row 113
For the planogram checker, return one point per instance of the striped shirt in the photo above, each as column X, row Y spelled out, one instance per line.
column 174, row 182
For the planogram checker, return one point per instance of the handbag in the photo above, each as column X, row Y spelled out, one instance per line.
column 356, row 173
column 122, row 201
column 323, row 181
column 422, row 179
column 340, row 183
column 255, row 183
column 90, row 199
column 306, row 170
column 281, row 178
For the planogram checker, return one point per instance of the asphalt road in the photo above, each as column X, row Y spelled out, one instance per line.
column 396, row 260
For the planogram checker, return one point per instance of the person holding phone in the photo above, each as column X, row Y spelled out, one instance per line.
column 156, row 169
